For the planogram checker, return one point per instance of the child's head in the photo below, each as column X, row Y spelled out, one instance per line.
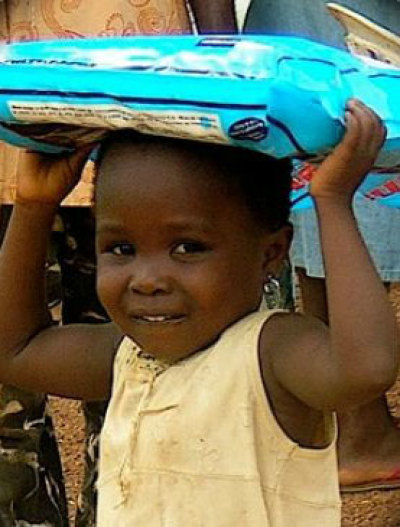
column 187, row 234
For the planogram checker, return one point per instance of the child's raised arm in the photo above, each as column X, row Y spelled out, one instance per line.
column 356, row 360
column 70, row 361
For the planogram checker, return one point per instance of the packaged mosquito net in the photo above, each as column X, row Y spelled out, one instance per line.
column 280, row 95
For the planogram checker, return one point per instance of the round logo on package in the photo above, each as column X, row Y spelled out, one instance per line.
column 249, row 129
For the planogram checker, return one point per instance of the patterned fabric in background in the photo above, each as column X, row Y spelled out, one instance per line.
column 22, row 20
column 31, row 484
column 47, row 19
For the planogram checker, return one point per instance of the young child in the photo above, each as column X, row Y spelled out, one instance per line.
column 221, row 413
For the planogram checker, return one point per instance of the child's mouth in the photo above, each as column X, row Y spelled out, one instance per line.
column 158, row 319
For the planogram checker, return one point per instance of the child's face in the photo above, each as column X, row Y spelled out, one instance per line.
column 179, row 257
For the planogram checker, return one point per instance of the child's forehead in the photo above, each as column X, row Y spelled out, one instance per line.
column 163, row 161
column 233, row 176
column 140, row 182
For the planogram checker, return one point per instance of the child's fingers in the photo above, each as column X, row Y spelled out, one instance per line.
column 374, row 129
column 29, row 162
column 365, row 120
column 353, row 129
column 372, row 132
column 78, row 159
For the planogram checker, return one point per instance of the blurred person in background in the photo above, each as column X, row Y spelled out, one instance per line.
column 31, row 482
column 369, row 440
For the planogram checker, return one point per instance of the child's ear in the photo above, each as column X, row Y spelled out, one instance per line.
column 277, row 245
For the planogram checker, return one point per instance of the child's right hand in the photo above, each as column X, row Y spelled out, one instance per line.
column 48, row 179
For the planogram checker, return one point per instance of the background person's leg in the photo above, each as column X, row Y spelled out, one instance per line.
column 31, row 480
column 369, row 440
column 81, row 305
column 369, row 448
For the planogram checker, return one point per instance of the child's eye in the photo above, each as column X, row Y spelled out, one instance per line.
column 190, row 248
column 122, row 249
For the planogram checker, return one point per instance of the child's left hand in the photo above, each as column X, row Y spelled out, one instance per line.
column 344, row 169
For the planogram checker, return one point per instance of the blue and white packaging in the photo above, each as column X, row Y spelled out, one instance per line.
column 283, row 96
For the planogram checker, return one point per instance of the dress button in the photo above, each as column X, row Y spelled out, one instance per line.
column 143, row 377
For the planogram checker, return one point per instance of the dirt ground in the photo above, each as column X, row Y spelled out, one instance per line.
column 368, row 509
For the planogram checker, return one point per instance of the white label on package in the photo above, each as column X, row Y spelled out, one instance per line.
column 184, row 124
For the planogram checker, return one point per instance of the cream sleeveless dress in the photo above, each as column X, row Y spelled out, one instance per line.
column 195, row 444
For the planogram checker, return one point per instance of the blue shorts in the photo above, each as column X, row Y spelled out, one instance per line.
column 379, row 226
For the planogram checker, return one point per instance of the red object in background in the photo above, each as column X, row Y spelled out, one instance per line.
column 303, row 176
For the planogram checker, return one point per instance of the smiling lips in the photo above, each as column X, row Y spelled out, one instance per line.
column 158, row 319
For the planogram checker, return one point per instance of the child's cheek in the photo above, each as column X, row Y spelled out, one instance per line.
column 109, row 287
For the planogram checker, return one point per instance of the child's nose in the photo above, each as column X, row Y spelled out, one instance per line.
column 148, row 279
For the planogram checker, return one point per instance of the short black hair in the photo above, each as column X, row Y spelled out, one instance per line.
column 262, row 180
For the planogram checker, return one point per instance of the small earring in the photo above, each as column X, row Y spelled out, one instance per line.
column 272, row 293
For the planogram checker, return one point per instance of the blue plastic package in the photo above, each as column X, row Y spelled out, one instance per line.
column 283, row 96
